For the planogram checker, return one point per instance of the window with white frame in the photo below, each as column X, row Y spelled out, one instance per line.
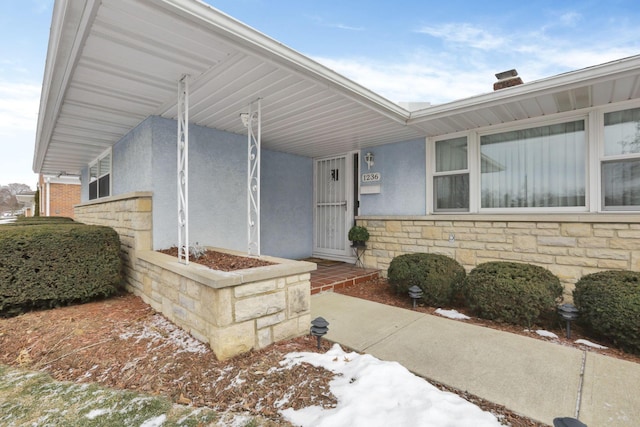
column 100, row 177
column 541, row 167
column 451, row 177
column 620, row 164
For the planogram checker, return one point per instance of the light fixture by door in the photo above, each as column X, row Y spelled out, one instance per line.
column 369, row 160
column 245, row 118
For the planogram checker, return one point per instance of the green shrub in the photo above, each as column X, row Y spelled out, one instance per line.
column 41, row 220
column 358, row 233
column 47, row 265
column 438, row 276
column 512, row 292
column 609, row 304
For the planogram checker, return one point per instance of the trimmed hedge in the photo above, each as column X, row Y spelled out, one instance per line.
column 438, row 276
column 41, row 220
column 53, row 264
column 512, row 292
column 609, row 304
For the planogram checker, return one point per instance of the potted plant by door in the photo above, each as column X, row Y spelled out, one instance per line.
column 358, row 235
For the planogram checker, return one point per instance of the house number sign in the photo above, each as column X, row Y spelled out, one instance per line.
column 371, row 177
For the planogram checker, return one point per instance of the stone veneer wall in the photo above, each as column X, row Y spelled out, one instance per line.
column 130, row 216
column 232, row 311
column 570, row 246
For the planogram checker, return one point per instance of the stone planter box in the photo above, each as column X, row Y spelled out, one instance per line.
column 232, row 311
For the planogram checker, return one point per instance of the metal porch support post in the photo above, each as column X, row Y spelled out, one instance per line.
column 254, row 131
column 183, row 170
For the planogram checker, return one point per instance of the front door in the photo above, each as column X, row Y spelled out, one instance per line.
column 333, row 207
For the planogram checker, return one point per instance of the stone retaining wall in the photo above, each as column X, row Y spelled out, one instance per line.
column 570, row 246
column 130, row 216
column 232, row 311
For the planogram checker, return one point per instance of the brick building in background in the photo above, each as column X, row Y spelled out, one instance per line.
column 58, row 195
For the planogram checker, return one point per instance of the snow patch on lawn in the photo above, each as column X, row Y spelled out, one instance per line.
column 452, row 314
column 374, row 393
column 95, row 413
column 155, row 421
column 591, row 344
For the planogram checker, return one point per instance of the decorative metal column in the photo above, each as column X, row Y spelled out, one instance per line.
column 183, row 170
column 253, row 122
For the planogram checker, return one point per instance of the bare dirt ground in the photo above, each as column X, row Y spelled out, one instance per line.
column 122, row 343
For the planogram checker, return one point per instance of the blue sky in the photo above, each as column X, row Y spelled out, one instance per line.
column 406, row 50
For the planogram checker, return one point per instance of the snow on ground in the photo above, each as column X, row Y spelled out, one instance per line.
column 160, row 329
column 94, row 413
column 452, row 314
column 155, row 421
column 372, row 393
column 546, row 334
column 591, row 344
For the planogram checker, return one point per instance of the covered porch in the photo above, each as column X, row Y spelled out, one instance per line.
column 332, row 275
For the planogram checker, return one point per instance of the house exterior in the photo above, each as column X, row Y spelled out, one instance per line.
column 27, row 201
column 184, row 123
column 58, row 195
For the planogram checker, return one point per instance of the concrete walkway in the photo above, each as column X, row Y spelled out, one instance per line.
column 535, row 378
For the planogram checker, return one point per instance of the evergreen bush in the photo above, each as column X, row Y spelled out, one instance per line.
column 512, row 292
column 358, row 234
column 56, row 263
column 438, row 276
column 609, row 304
column 41, row 220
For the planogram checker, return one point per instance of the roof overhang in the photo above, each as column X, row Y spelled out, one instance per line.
column 112, row 63
column 595, row 86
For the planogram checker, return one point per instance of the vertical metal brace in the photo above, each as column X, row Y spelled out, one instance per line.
column 183, row 169
column 254, row 132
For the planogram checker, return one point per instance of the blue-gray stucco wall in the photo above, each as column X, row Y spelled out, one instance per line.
column 287, row 205
column 146, row 158
column 403, row 179
column 131, row 161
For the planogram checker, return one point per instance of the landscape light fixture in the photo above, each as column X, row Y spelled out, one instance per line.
column 568, row 312
column 567, row 422
column 415, row 293
column 319, row 328
column 369, row 160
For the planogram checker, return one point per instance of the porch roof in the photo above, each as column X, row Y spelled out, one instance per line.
column 112, row 63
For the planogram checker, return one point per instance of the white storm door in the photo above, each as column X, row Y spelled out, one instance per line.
column 333, row 207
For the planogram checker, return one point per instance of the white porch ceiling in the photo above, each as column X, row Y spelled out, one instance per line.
column 112, row 63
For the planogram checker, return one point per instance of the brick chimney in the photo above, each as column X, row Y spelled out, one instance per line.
column 507, row 79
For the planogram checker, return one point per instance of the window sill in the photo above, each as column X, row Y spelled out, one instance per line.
column 602, row 217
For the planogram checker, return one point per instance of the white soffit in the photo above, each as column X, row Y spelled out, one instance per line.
column 608, row 83
column 112, row 63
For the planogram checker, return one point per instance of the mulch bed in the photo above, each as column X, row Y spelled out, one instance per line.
column 122, row 343
column 221, row 261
